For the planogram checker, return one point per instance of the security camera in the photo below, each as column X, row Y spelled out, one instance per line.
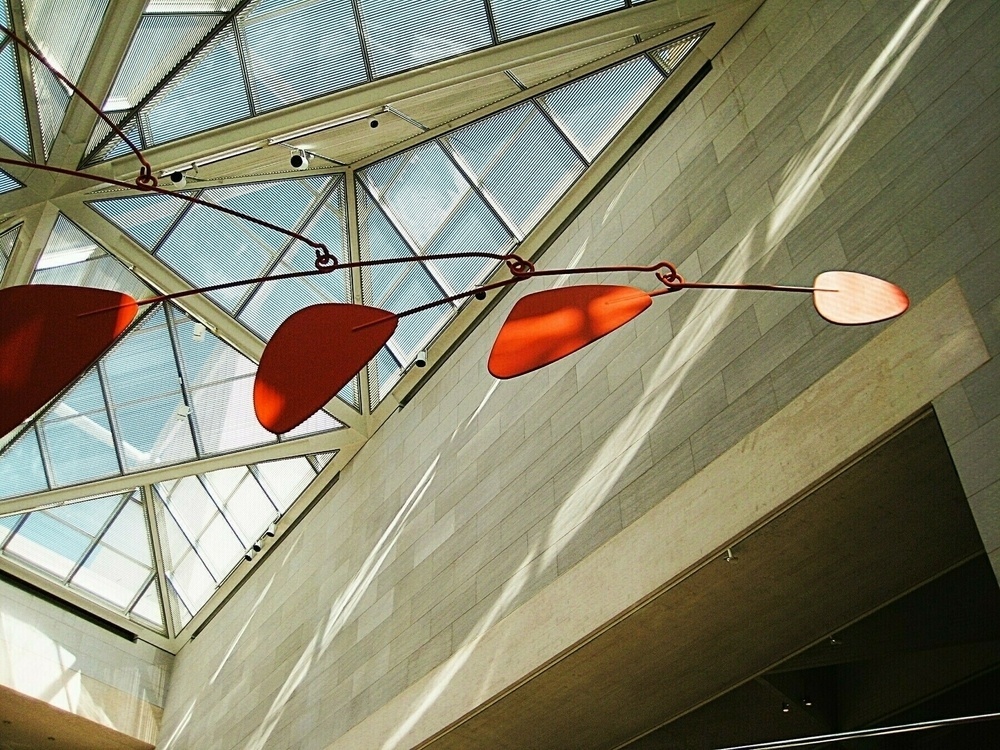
column 299, row 160
column 177, row 179
column 421, row 360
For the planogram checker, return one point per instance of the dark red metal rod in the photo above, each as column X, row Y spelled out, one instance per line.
column 189, row 198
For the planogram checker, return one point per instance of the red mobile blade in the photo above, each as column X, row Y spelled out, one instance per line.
column 858, row 298
column 312, row 355
column 49, row 335
column 546, row 326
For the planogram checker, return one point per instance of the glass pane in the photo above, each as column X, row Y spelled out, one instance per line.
column 285, row 480
column 208, row 93
column 144, row 218
column 593, row 109
column 7, row 183
column 424, row 192
column 520, row 159
column 52, row 100
column 72, row 258
column 321, row 421
column 13, row 117
column 21, row 469
column 7, row 524
column 148, row 607
column 111, row 576
column 224, row 418
column 404, row 35
column 129, row 534
column 80, row 448
column 89, row 516
column 516, row 18
column 282, row 69
column 160, row 42
column 48, row 544
column 246, row 502
column 153, row 433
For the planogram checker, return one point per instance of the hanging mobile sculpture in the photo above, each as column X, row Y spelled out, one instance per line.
column 50, row 335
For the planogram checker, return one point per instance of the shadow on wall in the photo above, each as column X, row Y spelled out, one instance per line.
column 711, row 313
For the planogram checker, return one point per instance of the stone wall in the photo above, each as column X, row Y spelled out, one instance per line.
column 51, row 654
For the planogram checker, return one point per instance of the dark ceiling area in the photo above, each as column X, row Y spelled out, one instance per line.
column 884, row 559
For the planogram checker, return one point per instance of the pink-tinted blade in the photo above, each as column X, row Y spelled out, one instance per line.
column 47, row 340
column 854, row 299
column 546, row 326
column 312, row 355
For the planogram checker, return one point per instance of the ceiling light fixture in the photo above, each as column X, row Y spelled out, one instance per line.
column 319, row 349
column 299, row 159
column 178, row 180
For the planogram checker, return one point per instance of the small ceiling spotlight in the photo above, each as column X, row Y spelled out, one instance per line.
column 806, row 701
column 177, row 179
column 271, row 529
column 299, row 159
column 835, row 641
column 373, row 123
column 421, row 360
column 480, row 295
column 250, row 554
column 730, row 557
column 785, row 708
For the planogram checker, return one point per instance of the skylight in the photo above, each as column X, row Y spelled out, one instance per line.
column 96, row 491
column 197, row 68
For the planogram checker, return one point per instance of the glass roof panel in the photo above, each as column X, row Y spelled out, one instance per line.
column 272, row 302
column 13, row 114
column 399, row 286
column 64, row 31
column 516, row 18
column 288, row 62
column 208, row 247
column 45, row 542
column 208, row 93
column 593, row 109
column 149, row 608
column 52, row 100
column 673, row 54
column 7, row 525
column 159, row 44
column 112, row 576
column 248, row 506
column 145, row 218
column 7, row 183
column 407, row 34
column 8, row 240
column 21, row 469
column 285, row 480
column 520, row 159
column 80, row 447
column 71, row 257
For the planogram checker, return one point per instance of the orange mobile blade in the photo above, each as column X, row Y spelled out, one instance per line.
column 47, row 340
column 546, row 326
column 858, row 299
column 312, row 355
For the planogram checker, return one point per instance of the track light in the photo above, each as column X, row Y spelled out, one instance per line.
column 807, row 701
column 177, row 179
column 250, row 553
column 299, row 159
column 785, row 708
column 730, row 557
column 271, row 530
column 421, row 360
